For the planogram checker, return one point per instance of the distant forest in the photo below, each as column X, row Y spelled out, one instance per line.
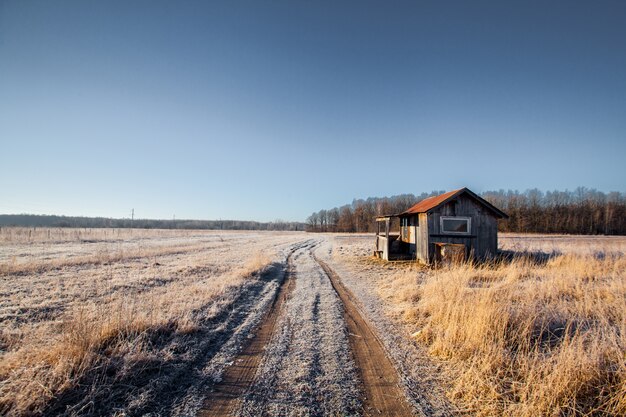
column 30, row 220
column 582, row 211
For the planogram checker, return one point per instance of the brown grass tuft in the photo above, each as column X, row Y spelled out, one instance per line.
column 94, row 340
column 527, row 337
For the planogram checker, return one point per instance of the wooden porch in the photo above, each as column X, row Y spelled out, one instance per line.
column 388, row 244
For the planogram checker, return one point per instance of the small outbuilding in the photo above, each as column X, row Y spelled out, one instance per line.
column 453, row 226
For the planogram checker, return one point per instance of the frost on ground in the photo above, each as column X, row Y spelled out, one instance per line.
column 134, row 332
column 540, row 331
column 419, row 375
column 308, row 369
column 552, row 245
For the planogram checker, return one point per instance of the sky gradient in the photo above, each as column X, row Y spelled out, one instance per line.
column 263, row 110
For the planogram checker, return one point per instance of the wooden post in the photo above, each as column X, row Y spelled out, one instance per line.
column 377, row 230
column 388, row 246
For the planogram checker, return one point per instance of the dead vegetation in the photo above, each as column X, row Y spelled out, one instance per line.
column 542, row 332
column 123, row 323
column 29, row 250
column 100, row 257
column 527, row 336
column 21, row 235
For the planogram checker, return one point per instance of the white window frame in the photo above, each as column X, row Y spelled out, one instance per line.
column 444, row 232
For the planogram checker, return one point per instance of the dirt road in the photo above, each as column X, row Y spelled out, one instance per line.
column 239, row 323
column 239, row 377
column 381, row 391
column 313, row 354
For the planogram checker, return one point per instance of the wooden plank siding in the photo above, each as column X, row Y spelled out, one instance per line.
column 421, row 253
column 482, row 241
column 420, row 226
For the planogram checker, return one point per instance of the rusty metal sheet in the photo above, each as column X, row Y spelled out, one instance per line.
column 430, row 203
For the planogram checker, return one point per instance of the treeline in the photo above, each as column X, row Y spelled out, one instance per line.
column 582, row 211
column 31, row 220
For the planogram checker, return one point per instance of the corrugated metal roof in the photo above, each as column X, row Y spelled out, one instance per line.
column 430, row 203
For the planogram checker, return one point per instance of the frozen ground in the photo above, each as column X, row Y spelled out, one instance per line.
column 323, row 357
column 133, row 333
column 203, row 295
column 563, row 244
column 146, row 265
column 348, row 255
column 308, row 369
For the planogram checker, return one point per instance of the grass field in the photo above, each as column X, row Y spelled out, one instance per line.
column 103, row 322
column 541, row 333
column 84, row 311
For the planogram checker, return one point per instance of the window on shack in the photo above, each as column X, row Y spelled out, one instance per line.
column 456, row 225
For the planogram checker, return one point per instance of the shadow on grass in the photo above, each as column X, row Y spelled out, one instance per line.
column 169, row 362
column 534, row 257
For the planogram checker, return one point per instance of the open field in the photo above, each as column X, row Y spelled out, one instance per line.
column 543, row 333
column 116, row 323
column 129, row 322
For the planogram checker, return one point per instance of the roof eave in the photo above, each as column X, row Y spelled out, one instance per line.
column 498, row 213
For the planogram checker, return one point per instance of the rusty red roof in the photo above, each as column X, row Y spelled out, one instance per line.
column 430, row 203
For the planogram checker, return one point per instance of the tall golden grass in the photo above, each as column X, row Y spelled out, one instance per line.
column 526, row 337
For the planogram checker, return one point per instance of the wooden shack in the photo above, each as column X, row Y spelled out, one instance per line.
column 449, row 227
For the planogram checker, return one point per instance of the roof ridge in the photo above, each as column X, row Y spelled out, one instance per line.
column 430, row 203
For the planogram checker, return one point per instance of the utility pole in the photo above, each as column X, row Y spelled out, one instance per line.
column 132, row 217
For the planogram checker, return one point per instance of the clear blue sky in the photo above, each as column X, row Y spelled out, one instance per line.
column 275, row 109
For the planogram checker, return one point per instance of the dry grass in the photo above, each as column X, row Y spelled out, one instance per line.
column 29, row 250
column 526, row 337
column 101, row 257
column 92, row 337
column 563, row 244
column 113, row 318
column 14, row 235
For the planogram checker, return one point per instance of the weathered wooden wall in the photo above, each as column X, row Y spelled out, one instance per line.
column 421, row 244
column 482, row 241
column 422, row 231
column 382, row 240
column 382, row 246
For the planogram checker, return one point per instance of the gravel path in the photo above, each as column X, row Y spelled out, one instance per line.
column 308, row 368
column 248, row 314
column 418, row 374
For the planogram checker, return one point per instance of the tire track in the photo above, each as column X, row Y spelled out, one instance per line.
column 308, row 369
column 239, row 377
column 246, row 380
column 382, row 395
